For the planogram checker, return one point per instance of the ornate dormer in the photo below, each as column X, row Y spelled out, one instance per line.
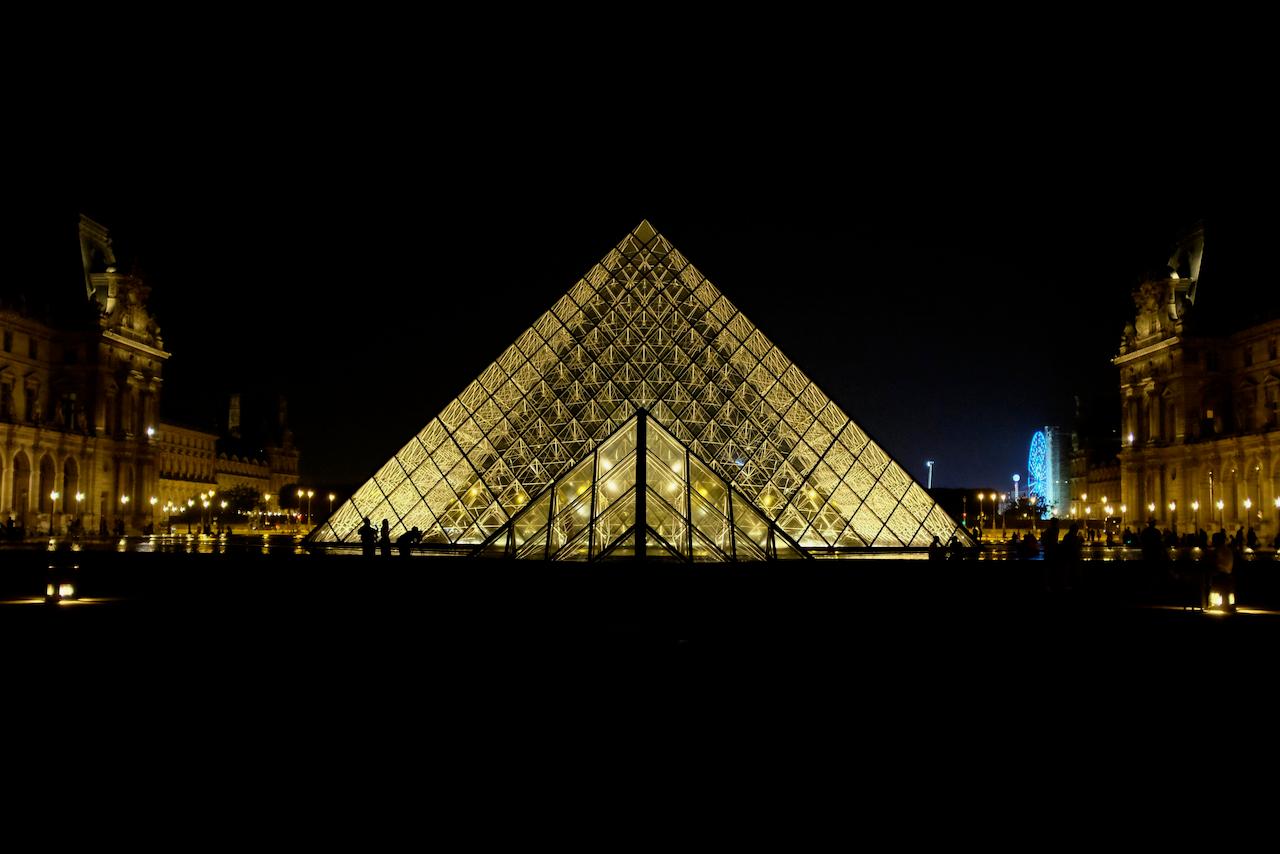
column 1162, row 302
column 125, row 312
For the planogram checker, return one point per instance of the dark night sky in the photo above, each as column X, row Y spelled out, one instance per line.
column 952, row 280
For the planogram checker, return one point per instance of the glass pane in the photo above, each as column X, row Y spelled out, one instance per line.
column 576, row 483
column 749, row 523
column 711, row 523
column 707, row 485
column 612, row 524
column 617, row 447
column 615, row 484
column 666, row 483
column 665, row 520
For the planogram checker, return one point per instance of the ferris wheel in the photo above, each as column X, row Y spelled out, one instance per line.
column 1038, row 466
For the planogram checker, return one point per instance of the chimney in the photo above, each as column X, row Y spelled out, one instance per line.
column 233, row 417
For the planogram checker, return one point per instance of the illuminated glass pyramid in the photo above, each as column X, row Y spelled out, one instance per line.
column 531, row 459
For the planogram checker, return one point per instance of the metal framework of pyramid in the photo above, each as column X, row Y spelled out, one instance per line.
column 517, row 454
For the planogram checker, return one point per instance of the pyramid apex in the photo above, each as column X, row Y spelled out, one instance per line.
column 644, row 232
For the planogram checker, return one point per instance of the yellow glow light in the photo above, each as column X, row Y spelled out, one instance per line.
column 1215, row 600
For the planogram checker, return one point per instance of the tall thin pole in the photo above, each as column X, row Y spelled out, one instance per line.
column 929, row 463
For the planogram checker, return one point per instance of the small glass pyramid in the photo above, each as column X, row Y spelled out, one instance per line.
column 644, row 330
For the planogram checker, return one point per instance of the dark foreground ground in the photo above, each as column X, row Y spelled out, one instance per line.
column 342, row 697
column 265, row 622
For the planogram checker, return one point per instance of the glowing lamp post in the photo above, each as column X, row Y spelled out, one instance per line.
column 1195, row 508
column 298, row 515
column 1221, row 505
column 1016, row 478
column 191, row 504
column 332, row 496
column 1003, row 497
column 53, row 508
column 310, row 492
column 79, row 499
column 153, row 514
column 1248, row 505
column 980, row 497
column 1173, row 509
column 1151, row 508
column 1123, row 509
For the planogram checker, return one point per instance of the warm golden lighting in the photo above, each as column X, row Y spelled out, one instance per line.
column 1088, row 509
column 66, row 590
column 79, row 497
column 1151, row 508
column 1220, row 504
column 1248, row 503
column 154, row 500
column 1195, row 505
column 1108, row 508
column 540, row 442
column 1173, row 506
column 1084, row 497
column 1215, row 599
column 1104, row 499
column 332, row 496
column 124, row 499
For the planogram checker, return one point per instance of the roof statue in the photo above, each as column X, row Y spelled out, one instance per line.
column 644, row 416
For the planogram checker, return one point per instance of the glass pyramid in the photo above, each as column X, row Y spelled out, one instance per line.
column 642, row 330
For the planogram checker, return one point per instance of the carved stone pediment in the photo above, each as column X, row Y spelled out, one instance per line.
column 128, row 315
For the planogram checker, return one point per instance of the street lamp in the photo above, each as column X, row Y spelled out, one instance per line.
column 928, row 463
column 153, row 513
column 53, row 508
column 310, row 492
column 1003, row 496
column 300, row 494
column 332, row 496
column 1195, row 506
column 79, row 498
column 1223, row 512
column 1033, row 504
column 980, row 497
column 1016, row 478
column 1248, row 505
column 191, row 504
column 1123, row 508
column 1173, row 509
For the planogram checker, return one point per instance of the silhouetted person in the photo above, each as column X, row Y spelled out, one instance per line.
column 102, row 527
column 368, row 538
column 936, row 549
column 954, row 550
column 384, row 538
column 406, row 540
column 1224, row 583
column 1152, row 549
column 1049, row 540
column 1252, row 539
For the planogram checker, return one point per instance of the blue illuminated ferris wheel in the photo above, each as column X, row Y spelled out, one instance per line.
column 1038, row 466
